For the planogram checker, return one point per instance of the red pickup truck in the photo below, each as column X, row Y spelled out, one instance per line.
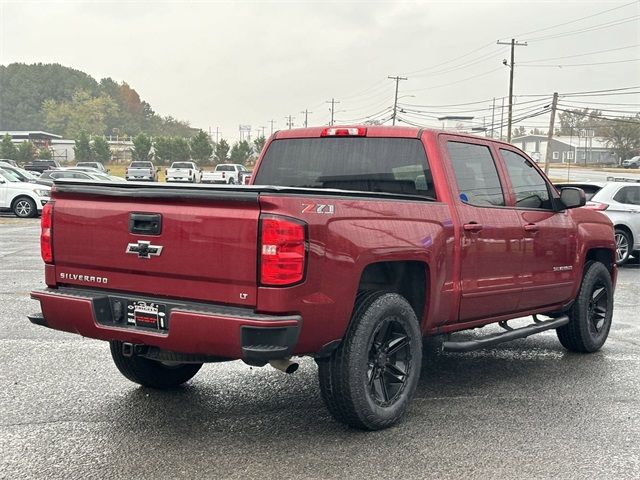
column 351, row 245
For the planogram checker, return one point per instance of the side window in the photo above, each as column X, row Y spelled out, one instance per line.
column 629, row 195
column 530, row 188
column 476, row 174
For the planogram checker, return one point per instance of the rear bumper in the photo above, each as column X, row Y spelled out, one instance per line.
column 194, row 328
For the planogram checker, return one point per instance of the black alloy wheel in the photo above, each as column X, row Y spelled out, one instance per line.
column 390, row 362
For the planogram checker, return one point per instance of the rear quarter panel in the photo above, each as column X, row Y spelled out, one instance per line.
column 358, row 233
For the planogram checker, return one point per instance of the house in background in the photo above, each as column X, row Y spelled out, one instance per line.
column 575, row 150
column 38, row 138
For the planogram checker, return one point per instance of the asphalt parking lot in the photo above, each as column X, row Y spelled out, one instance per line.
column 527, row 409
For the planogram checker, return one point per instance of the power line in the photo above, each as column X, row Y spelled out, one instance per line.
column 577, row 19
column 333, row 102
column 514, row 43
column 593, row 28
column 395, row 101
column 581, row 54
column 583, row 64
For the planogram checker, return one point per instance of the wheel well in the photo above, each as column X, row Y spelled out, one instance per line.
column 601, row 255
column 409, row 279
column 627, row 230
column 13, row 202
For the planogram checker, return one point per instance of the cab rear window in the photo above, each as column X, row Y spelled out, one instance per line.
column 391, row 165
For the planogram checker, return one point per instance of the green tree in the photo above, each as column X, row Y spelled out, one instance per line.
column 258, row 144
column 26, row 152
column 45, row 154
column 82, row 148
column 101, row 150
column 142, row 148
column 201, row 148
column 241, row 152
column 82, row 113
column 572, row 121
column 163, row 147
column 7, row 148
column 181, row 149
column 221, row 152
column 623, row 136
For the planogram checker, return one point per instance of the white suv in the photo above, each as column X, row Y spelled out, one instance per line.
column 620, row 201
column 22, row 198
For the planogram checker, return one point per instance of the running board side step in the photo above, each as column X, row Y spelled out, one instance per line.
column 497, row 338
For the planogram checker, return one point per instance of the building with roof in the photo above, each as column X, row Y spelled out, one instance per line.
column 39, row 138
column 576, row 150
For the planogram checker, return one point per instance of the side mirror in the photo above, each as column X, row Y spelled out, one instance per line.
column 572, row 197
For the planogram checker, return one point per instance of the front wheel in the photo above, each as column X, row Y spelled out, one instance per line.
column 152, row 373
column 232, row 181
column 623, row 246
column 25, row 207
column 591, row 314
column 369, row 381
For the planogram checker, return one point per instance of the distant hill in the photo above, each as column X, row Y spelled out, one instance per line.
column 66, row 101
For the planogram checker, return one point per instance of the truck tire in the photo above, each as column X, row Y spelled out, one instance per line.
column 369, row 380
column 590, row 316
column 152, row 373
column 24, row 207
column 623, row 246
column 232, row 181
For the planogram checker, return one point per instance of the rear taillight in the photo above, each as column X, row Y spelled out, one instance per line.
column 282, row 251
column 596, row 206
column 224, row 175
column 46, row 224
column 344, row 132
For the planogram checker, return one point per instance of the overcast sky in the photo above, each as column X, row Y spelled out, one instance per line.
column 221, row 64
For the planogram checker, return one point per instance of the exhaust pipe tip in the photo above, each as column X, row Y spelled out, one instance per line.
column 284, row 365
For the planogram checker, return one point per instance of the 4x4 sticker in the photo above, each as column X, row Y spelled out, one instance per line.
column 323, row 208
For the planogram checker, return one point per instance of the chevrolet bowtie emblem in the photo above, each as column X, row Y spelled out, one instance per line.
column 144, row 249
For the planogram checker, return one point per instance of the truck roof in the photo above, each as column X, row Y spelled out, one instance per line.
column 375, row 131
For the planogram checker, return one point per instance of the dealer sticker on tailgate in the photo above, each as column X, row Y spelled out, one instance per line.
column 147, row 314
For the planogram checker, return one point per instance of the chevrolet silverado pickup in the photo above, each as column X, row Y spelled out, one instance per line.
column 350, row 246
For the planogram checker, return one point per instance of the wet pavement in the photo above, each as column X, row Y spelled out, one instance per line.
column 528, row 409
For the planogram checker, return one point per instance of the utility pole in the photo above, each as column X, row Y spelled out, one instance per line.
column 306, row 116
column 289, row 121
column 272, row 122
column 511, row 66
column 333, row 102
column 554, row 105
column 395, row 101
column 493, row 116
column 501, row 118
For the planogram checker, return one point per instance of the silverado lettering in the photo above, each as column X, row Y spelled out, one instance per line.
column 350, row 245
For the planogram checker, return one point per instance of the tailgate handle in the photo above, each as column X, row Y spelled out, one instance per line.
column 145, row 223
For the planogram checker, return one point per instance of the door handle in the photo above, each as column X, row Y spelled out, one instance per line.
column 531, row 227
column 472, row 227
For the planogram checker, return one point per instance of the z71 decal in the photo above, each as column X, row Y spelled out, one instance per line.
column 322, row 208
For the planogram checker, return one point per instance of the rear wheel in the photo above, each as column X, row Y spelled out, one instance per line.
column 152, row 373
column 24, row 207
column 623, row 246
column 591, row 314
column 369, row 381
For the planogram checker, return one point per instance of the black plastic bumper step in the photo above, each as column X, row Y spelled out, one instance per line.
column 497, row 338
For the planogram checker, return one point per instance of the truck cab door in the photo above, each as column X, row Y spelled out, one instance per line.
column 490, row 236
column 550, row 237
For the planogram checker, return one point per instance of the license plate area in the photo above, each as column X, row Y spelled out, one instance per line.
column 147, row 315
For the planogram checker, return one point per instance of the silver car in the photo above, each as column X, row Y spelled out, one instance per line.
column 620, row 201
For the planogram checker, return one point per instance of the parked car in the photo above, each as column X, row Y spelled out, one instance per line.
column 141, row 171
column 589, row 188
column 633, row 162
column 96, row 165
column 41, row 165
column 50, row 176
column 351, row 246
column 24, row 199
column 231, row 173
column 8, row 161
column 95, row 171
column 184, row 172
column 21, row 173
column 620, row 201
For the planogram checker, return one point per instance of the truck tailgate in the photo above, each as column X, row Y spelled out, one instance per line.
column 208, row 238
